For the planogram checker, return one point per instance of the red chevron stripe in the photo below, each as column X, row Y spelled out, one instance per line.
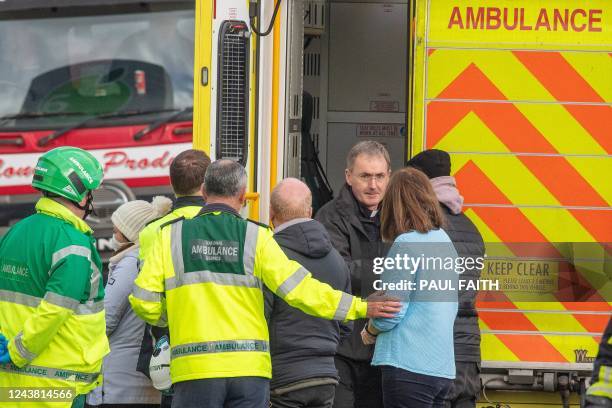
column 531, row 348
column 510, row 224
column 565, row 84
column 506, row 122
column 564, row 182
column 597, row 222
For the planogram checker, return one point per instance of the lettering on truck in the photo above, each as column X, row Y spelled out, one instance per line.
column 496, row 18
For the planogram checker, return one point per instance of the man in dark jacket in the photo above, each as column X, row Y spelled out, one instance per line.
column 302, row 346
column 468, row 242
column 353, row 222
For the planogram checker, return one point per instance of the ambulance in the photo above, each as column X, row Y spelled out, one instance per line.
column 518, row 92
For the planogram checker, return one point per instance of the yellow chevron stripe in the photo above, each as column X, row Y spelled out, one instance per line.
column 487, row 233
column 513, row 178
column 557, row 224
column 493, row 348
column 567, row 344
column 471, row 135
column 515, row 81
column 595, row 68
column 442, row 69
column 560, row 128
column 597, row 172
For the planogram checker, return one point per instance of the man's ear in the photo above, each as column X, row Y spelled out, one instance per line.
column 271, row 212
column 242, row 197
column 347, row 173
column 310, row 213
column 203, row 190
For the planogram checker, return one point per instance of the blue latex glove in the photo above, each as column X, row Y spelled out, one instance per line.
column 3, row 343
column 5, row 358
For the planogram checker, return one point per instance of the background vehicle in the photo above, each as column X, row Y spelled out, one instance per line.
column 518, row 92
column 113, row 77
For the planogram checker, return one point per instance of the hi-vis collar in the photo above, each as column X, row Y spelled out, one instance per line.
column 54, row 209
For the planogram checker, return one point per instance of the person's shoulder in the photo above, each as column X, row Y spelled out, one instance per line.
column 260, row 224
column 436, row 235
column 156, row 223
column 71, row 234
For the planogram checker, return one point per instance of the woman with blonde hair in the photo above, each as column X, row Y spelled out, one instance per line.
column 415, row 348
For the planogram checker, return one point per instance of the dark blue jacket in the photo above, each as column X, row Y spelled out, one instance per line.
column 303, row 346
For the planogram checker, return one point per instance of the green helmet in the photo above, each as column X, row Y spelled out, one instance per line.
column 69, row 172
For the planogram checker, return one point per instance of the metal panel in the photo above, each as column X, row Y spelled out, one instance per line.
column 293, row 111
column 367, row 57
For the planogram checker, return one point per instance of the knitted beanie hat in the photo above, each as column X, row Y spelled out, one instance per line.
column 130, row 218
column 433, row 162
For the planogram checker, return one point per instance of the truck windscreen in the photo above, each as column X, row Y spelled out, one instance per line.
column 58, row 71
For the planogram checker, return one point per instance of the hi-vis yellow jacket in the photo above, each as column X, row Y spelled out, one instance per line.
column 51, row 303
column 185, row 207
column 208, row 274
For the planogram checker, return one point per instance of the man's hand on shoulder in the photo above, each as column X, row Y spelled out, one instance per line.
column 382, row 306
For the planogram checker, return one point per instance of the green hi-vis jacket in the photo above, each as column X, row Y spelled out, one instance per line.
column 52, row 302
column 212, row 270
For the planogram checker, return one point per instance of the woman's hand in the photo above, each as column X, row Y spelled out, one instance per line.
column 368, row 334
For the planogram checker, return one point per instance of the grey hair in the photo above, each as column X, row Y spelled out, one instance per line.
column 225, row 178
column 290, row 207
column 369, row 148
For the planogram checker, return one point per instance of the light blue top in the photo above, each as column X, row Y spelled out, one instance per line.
column 420, row 338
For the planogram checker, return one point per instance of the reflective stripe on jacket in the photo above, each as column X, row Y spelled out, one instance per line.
column 208, row 273
column 51, row 301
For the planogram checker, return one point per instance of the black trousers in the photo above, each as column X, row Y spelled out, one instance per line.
column 360, row 384
column 235, row 392
column 123, row 406
column 405, row 389
column 466, row 387
column 319, row 396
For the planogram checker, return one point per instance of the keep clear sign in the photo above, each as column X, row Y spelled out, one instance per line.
column 530, row 276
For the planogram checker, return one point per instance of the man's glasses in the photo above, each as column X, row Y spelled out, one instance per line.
column 367, row 177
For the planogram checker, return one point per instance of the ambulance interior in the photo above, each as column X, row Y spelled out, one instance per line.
column 355, row 67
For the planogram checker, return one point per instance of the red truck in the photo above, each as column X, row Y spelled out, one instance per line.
column 112, row 77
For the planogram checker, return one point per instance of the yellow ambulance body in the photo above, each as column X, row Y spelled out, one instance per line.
column 520, row 94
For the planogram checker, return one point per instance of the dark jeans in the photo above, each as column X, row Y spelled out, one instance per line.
column 166, row 401
column 360, row 384
column 466, row 387
column 405, row 389
column 129, row 406
column 238, row 392
column 123, row 406
column 319, row 396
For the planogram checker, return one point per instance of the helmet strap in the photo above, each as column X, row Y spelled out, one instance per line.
column 87, row 207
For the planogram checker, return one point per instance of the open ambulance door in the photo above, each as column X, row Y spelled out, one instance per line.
column 225, row 87
column 350, row 58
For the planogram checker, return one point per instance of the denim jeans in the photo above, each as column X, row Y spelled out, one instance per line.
column 405, row 389
column 235, row 392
